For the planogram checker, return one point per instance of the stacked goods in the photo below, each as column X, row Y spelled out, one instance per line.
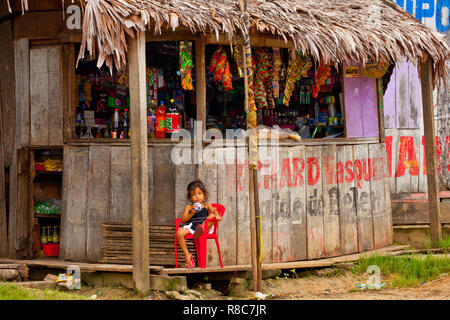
column 117, row 245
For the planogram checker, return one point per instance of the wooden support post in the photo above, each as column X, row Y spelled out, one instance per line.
column 380, row 108
column 253, row 240
column 250, row 109
column 3, row 220
column 430, row 150
column 200, row 90
column 139, row 163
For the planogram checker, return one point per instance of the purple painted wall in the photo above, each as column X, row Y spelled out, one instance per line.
column 360, row 106
column 403, row 98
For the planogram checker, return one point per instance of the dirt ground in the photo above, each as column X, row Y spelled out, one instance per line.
column 337, row 287
column 343, row 287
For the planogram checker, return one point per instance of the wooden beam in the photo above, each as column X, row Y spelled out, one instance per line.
column 256, row 40
column 178, row 35
column 139, row 163
column 426, row 70
column 417, row 212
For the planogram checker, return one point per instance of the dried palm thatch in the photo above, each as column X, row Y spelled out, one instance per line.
column 331, row 30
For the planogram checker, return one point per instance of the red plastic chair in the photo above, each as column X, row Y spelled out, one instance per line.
column 202, row 241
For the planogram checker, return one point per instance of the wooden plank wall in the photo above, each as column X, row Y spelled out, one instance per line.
column 315, row 202
column 46, row 79
column 404, row 132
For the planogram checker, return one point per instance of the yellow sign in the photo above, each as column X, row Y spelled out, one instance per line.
column 351, row 72
column 375, row 70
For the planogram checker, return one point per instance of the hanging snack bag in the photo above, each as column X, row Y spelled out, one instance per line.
column 186, row 65
column 322, row 74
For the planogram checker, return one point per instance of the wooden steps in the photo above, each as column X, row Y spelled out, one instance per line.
column 117, row 245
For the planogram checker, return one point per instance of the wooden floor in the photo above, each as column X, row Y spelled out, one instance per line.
column 96, row 267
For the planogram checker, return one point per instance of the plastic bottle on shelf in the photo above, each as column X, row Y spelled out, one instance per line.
column 44, row 235
column 115, row 125
column 161, row 121
column 172, row 119
column 151, row 119
column 125, row 126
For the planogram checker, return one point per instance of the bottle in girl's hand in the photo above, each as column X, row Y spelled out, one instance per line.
column 197, row 206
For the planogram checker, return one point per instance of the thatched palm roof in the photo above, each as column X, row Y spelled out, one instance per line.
column 333, row 30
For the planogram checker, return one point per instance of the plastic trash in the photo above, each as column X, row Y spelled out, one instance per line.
column 260, row 295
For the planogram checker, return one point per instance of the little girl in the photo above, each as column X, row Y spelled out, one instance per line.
column 195, row 213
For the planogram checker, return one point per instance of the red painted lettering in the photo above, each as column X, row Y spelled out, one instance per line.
column 389, row 153
column 329, row 165
column 285, row 173
column 313, row 162
column 407, row 158
column 447, row 140
column 367, row 169
column 358, row 173
column 340, row 172
column 349, row 169
column 299, row 167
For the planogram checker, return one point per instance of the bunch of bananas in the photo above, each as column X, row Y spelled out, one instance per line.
column 52, row 165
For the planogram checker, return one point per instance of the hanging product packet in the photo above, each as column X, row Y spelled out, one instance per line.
column 268, row 82
column 322, row 74
column 186, row 65
column 261, row 73
column 298, row 67
column 277, row 62
column 220, row 68
column 237, row 55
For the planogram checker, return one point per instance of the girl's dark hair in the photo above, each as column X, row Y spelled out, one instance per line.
column 192, row 186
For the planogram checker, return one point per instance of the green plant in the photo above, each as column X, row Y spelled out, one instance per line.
column 405, row 271
column 294, row 273
column 12, row 291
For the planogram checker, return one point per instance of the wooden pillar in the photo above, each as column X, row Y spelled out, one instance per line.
column 3, row 219
column 430, row 150
column 380, row 108
column 139, row 163
column 251, row 188
column 200, row 90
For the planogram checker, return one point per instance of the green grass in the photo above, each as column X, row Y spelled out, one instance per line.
column 12, row 291
column 405, row 271
column 444, row 244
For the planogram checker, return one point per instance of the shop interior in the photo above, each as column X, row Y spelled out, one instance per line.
column 47, row 173
column 292, row 92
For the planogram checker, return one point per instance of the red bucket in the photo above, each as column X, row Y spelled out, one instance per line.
column 51, row 249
